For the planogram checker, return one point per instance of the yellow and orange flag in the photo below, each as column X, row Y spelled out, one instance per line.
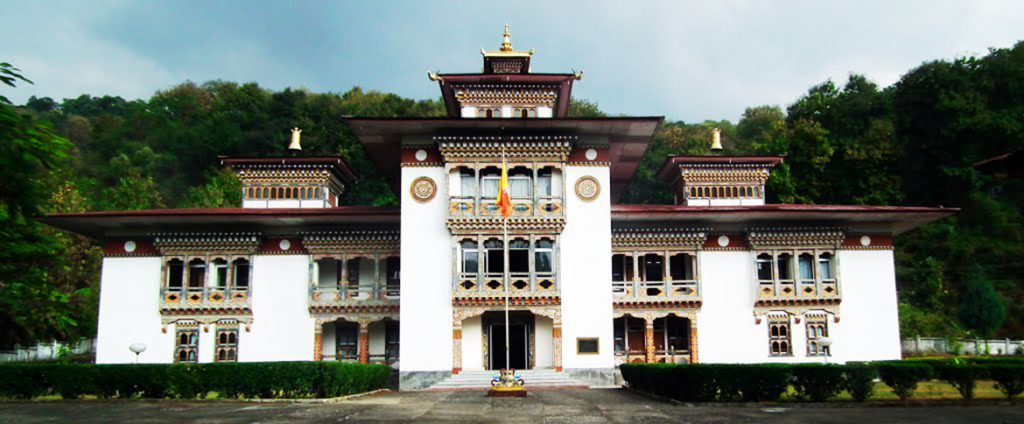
column 504, row 199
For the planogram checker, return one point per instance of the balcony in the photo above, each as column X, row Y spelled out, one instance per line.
column 803, row 291
column 463, row 207
column 204, row 298
column 656, row 291
column 365, row 294
column 490, row 286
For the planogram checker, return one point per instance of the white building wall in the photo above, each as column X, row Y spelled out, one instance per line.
column 377, row 330
column 207, row 342
column 585, row 268
column 426, row 312
column 330, row 342
column 869, row 322
column 129, row 312
column 282, row 329
column 472, row 344
column 469, row 111
column 544, row 112
column 725, row 324
column 869, row 326
column 543, row 348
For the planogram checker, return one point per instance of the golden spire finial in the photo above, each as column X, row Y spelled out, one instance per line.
column 506, row 41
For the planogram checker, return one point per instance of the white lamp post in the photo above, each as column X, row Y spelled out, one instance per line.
column 137, row 348
column 825, row 343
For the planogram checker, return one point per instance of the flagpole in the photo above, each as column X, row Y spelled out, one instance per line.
column 504, row 226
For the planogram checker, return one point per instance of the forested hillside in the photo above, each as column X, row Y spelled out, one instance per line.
column 850, row 142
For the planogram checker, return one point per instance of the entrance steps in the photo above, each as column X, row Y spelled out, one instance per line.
column 535, row 379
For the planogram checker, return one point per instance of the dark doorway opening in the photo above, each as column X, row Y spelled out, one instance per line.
column 519, row 333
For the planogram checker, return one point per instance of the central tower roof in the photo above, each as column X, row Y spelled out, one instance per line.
column 506, row 87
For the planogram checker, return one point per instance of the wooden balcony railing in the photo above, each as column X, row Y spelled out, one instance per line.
column 473, row 285
column 355, row 294
column 769, row 290
column 463, row 207
column 656, row 290
column 204, row 297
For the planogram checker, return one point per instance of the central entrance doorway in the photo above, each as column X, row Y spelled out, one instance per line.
column 520, row 332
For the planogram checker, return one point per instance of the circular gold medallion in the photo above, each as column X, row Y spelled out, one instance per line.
column 423, row 189
column 587, row 188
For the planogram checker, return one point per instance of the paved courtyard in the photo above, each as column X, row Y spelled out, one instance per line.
column 564, row 406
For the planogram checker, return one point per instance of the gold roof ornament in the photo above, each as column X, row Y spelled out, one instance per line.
column 506, row 48
column 716, row 140
column 296, row 134
column 506, row 41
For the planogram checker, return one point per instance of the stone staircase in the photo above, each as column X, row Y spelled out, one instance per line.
column 535, row 379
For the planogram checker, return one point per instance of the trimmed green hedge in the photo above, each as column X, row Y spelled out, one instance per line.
column 819, row 382
column 190, row 381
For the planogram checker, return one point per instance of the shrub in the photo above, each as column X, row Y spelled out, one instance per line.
column 753, row 382
column 962, row 376
column 188, row 381
column 185, row 381
column 71, row 381
column 694, row 383
column 1009, row 378
column 22, row 381
column 859, row 380
column 903, row 376
column 817, row 382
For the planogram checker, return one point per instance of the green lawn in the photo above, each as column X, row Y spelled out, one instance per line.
column 927, row 390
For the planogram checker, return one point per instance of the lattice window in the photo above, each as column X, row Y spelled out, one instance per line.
column 186, row 348
column 227, row 345
column 779, row 337
column 816, row 330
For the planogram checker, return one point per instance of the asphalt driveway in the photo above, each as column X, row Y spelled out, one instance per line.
column 563, row 406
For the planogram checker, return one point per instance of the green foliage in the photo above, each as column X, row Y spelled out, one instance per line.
column 982, row 309
column 962, row 376
column 818, row 382
column 859, row 380
column 916, row 321
column 701, row 383
column 1009, row 378
column 903, row 376
column 223, row 191
column 190, row 381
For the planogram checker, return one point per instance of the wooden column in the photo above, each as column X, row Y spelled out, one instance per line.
column 457, row 350
column 693, row 341
column 556, row 344
column 318, row 342
column 649, row 340
column 364, row 342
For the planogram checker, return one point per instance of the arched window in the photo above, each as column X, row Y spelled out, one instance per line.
column 175, row 274
column 785, row 266
column 524, row 113
column 680, row 267
column 764, row 268
column 494, row 259
column 470, row 257
column 544, row 256
column 805, row 265
column 240, row 273
column 489, row 113
column 825, row 267
column 220, row 272
column 519, row 256
column 196, row 273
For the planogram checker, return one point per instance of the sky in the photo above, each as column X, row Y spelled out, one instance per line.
column 685, row 60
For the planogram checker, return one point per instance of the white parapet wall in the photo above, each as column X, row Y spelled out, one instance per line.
column 585, row 264
column 426, row 314
column 130, row 312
